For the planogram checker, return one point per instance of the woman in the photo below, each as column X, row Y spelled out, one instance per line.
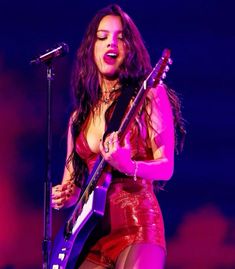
column 131, row 234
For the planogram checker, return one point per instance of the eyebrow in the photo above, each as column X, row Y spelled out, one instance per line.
column 107, row 31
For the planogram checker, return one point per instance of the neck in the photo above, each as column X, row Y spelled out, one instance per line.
column 108, row 90
column 108, row 85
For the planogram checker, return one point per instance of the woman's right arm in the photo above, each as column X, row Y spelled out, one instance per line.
column 67, row 193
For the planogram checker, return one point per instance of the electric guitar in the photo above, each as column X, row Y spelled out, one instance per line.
column 91, row 205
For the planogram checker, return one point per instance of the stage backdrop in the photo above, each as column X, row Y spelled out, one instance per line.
column 198, row 204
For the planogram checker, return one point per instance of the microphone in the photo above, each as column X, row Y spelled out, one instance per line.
column 61, row 50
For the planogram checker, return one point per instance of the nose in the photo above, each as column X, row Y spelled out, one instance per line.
column 113, row 42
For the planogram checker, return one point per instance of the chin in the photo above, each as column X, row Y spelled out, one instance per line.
column 111, row 75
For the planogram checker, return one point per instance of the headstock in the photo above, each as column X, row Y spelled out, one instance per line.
column 159, row 71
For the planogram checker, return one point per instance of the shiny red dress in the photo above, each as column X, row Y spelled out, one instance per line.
column 132, row 213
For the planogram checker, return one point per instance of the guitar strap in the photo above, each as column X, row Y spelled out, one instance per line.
column 123, row 101
column 127, row 92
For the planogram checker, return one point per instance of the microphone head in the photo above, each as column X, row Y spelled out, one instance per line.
column 60, row 50
column 64, row 48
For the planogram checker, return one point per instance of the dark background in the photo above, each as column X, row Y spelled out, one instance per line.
column 198, row 204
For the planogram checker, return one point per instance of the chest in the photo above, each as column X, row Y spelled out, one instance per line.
column 95, row 129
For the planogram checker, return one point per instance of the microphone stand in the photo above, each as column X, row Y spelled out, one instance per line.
column 47, row 58
column 46, row 245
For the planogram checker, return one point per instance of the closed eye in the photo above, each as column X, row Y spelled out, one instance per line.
column 101, row 37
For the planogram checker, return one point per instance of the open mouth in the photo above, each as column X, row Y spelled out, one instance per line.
column 110, row 57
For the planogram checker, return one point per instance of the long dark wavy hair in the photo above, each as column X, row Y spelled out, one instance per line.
column 85, row 81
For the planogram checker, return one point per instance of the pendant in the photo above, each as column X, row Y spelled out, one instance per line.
column 106, row 100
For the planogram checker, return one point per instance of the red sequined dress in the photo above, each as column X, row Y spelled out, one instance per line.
column 132, row 211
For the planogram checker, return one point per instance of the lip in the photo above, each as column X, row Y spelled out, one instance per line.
column 109, row 60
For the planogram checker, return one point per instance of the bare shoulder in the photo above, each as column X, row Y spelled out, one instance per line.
column 160, row 108
column 159, row 100
column 157, row 93
column 161, row 129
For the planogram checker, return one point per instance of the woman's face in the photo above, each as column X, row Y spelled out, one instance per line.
column 109, row 49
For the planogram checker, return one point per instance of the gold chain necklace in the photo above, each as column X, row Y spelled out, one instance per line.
column 108, row 96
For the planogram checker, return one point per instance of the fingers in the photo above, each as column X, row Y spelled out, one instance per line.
column 110, row 144
column 118, row 155
column 113, row 141
column 60, row 194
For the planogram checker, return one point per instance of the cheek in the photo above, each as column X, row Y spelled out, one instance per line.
column 97, row 54
column 122, row 50
column 95, row 51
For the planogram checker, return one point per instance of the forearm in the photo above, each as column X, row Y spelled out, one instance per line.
column 160, row 169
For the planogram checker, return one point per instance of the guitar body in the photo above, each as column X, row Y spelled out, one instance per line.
column 66, row 250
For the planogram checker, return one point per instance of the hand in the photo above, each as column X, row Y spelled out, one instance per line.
column 116, row 155
column 64, row 195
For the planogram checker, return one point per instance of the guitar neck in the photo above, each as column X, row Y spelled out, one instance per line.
column 152, row 80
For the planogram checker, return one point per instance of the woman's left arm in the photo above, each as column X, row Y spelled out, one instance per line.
column 161, row 134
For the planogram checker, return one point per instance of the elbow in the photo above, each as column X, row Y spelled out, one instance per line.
column 169, row 173
column 168, row 170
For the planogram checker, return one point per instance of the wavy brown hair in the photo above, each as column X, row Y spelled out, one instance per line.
column 85, row 82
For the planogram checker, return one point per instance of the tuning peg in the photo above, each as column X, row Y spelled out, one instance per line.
column 170, row 61
column 166, row 68
column 163, row 75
